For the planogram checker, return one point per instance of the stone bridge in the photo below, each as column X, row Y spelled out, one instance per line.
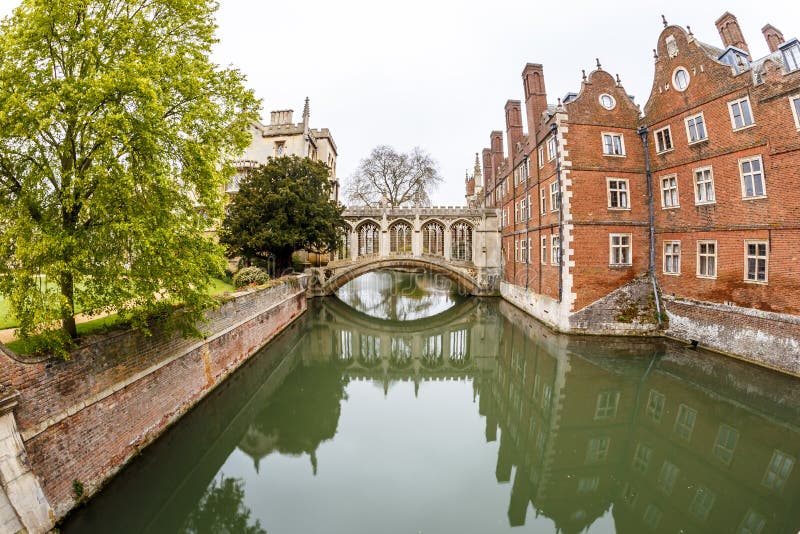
column 459, row 242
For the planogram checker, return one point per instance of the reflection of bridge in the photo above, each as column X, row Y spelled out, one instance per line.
column 461, row 243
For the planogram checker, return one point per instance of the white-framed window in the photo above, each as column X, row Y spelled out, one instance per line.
column 741, row 114
column 555, row 197
column 725, row 444
column 752, row 523
column 794, row 102
column 702, row 503
column 280, row 148
column 680, row 79
column 516, row 250
column 655, row 405
column 607, row 101
column 642, row 457
column 756, row 260
column 613, row 144
column 542, row 200
column 778, row 470
column 669, row 192
column 523, row 208
column 652, row 516
column 555, row 249
column 704, row 186
column 541, row 157
column 607, row 404
column 663, row 138
column 696, row 128
column 620, row 249
column 706, row 259
column 684, row 422
column 551, row 148
column 752, row 172
column 618, row 194
column 791, row 56
column 516, row 212
column 597, row 449
column 672, row 257
column 668, row 476
column 543, row 252
column 523, row 250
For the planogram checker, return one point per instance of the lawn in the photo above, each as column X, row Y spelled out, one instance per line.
column 7, row 320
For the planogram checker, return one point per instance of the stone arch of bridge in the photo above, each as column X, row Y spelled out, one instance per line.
column 341, row 276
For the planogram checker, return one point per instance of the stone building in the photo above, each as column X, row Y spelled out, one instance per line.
column 695, row 194
column 282, row 137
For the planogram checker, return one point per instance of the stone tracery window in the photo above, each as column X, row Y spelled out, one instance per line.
column 400, row 238
column 433, row 239
column 344, row 248
column 369, row 236
column 461, row 234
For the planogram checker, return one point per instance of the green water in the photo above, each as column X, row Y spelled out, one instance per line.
column 475, row 419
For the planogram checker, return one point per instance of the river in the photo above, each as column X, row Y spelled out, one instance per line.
column 411, row 409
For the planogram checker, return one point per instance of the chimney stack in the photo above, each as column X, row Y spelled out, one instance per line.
column 496, row 138
column 281, row 117
column 773, row 36
column 513, row 127
column 487, row 169
column 731, row 33
column 535, row 97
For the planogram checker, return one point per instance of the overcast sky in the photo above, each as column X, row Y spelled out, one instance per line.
column 436, row 74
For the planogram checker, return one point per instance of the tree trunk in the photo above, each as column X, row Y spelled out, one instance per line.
column 68, row 309
column 283, row 262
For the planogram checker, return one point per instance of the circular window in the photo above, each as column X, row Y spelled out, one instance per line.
column 680, row 79
column 607, row 101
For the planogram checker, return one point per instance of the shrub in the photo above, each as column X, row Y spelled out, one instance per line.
column 249, row 276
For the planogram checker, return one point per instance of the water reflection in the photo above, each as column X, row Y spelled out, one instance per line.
column 400, row 295
column 475, row 420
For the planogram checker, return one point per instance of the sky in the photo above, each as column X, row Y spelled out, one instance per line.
column 437, row 74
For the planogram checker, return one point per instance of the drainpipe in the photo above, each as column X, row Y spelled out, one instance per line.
column 652, row 267
column 554, row 130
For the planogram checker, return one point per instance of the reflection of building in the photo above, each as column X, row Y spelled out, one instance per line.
column 281, row 137
column 663, row 440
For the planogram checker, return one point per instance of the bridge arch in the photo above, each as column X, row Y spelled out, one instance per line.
column 339, row 277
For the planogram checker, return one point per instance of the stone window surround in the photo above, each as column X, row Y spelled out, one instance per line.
column 688, row 129
column 757, row 257
column 657, row 144
column 709, row 198
column 794, row 104
column 669, row 188
column 740, row 101
column 612, row 135
column 620, row 246
column 672, row 250
column 752, row 173
column 707, row 255
column 626, row 206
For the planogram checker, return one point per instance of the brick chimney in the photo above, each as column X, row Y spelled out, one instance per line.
column 488, row 176
column 513, row 127
column 497, row 153
column 535, row 97
column 773, row 36
column 731, row 33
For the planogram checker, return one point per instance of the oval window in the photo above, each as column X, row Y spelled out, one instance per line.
column 680, row 79
column 607, row 101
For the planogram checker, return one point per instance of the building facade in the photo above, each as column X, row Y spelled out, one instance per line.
column 684, row 214
column 282, row 137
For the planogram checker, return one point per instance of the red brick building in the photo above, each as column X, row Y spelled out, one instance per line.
column 703, row 183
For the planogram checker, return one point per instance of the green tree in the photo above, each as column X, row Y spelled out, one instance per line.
column 116, row 137
column 282, row 207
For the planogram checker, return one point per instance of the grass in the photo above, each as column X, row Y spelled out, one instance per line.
column 7, row 319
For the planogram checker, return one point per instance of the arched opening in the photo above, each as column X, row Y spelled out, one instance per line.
column 433, row 238
column 400, row 238
column 344, row 250
column 369, row 236
column 461, row 241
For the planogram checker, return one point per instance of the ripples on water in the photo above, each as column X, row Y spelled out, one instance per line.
column 477, row 419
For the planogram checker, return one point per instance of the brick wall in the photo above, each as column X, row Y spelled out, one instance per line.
column 84, row 418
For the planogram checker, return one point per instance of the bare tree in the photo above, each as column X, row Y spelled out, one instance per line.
column 393, row 178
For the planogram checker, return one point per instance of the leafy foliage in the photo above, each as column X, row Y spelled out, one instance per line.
column 394, row 178
column 116, row 136
column 250, row 275
column 222, row 509
column 281, row 207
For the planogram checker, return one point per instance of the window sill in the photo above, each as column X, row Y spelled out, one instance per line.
column 665, row 151
column 671, row 274
column 744, row 127
column 757, row 282
column 703, row 140
column 670, row 207
column 620, row 265
column 709, row 203
column 614, row 155
column 618, row 209
column 759, row 197
column 706, row 277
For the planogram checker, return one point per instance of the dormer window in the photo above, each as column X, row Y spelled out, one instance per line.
column 737, row 59
column 791, row 56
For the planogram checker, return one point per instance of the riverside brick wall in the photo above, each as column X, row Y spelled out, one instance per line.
column 83, row 419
